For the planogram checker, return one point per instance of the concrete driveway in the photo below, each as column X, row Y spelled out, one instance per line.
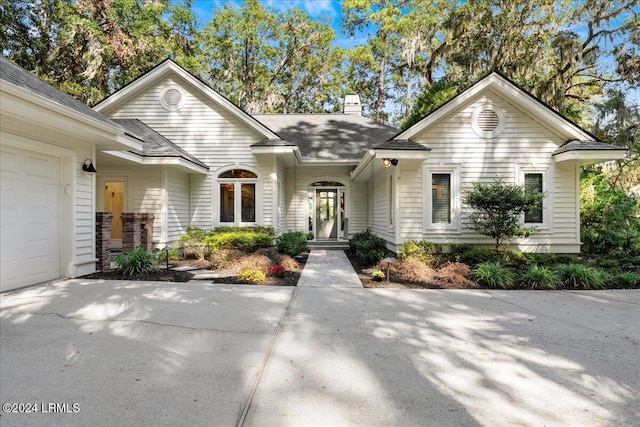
column 121, row 353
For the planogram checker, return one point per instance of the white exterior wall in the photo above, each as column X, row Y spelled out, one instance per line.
column 212, row 135
column 177, row 214
column 524, row 144
column 379, row 215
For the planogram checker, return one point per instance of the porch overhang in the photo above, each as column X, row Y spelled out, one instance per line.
column 289, row 153
column 588, row 152
column 139, row 159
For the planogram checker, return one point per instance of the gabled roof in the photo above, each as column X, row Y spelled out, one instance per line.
column 168, row 68
column 18, row 76
column 518, row 96
column 586, row 146
column 327, row 137
column 402, row 145
column 156, row 145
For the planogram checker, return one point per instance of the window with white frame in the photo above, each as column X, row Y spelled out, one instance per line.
column 237, row 195
column 442, row 188
column 539, row 179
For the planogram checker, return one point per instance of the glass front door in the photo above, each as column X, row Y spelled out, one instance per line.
column 327, row 213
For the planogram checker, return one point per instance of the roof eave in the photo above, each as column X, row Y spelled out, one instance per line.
column 587, row 157
column 140, row 159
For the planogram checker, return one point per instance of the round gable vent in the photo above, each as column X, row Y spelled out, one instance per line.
column 487, row 121
column 172, row 98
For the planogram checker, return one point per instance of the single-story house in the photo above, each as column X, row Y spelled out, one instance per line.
column 196, row 159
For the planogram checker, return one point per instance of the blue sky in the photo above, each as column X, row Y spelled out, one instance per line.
column 328, row 9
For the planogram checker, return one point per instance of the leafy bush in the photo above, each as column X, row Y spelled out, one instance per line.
column 422, row 251
column 173, row 253
column 310, row 235
column 581, row 276
column 193, row 243
column 255, row 276
column 496, row 208
column 247, row 241
column 262, row 229
column 627, row 280
column 537, row 277
column 609, row 219
column 493, row 275
column 368, row 247
column 292, row 243
column 378, row 276
column 135, row 262
column 277, row 271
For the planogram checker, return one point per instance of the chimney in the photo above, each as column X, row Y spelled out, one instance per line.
column 352, row 105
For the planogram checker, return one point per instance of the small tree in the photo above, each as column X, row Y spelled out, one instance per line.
column 497, row 208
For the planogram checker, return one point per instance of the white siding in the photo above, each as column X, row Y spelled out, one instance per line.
column 523, row 143
column 148, row 196
column 177, row 187
column 211, row 134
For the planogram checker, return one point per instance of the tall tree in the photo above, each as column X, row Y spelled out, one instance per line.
column 266, row 61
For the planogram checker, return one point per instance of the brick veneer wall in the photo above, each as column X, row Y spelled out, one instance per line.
column 103, row 240
column 137, row 231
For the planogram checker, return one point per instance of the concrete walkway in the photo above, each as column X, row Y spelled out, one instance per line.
column 328, row 269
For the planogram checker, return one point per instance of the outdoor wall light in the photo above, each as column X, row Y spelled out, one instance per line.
column 388, row 162
column 88, row 167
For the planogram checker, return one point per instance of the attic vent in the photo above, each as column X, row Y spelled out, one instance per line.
column 487, row 121
column 172, row 98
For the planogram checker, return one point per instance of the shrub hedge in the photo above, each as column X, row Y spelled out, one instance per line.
column 368, row 247
column 292, row 243
column 247, row 241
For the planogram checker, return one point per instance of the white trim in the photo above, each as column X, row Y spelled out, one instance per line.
column 163, row 94
column 259, row 183
column 505, row 88
column 586, row 157
column 170, row 67
column 521, row 169
column 163, row 161
column 456, row 197
column 483, row 133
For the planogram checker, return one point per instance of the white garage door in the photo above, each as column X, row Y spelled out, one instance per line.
column 30, row 218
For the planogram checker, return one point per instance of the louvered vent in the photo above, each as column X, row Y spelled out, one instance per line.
column 172, row 98
column 488, row 121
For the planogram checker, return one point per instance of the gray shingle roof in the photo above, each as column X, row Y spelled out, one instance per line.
column 402, row 144
column 576, row 145
column 328, row 136
column 18, row 76
column 156, row 145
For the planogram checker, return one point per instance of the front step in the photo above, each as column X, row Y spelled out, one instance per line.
column 339, row 245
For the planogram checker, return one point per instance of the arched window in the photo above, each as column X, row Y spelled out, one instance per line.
column 237, row 196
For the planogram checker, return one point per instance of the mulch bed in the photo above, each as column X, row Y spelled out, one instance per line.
column 400, row 283
column 163, row 275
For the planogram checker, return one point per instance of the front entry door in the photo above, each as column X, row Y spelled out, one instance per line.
column 326, row 214
column 114, row 203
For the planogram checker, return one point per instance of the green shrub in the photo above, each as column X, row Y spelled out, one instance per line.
column 246, row 241
column 609, row 219
column 627, row 280
column 251, row 275
column 292, row 243
column 193, row 243
column 263, row 229
column 162, row 254
column 135, row 262
column 473, row 256
column 368, row 247
column 378, row 276
column 493, row 275
column 537, row 277
column 581, row 276
column 420, row 250
column 310, row 235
